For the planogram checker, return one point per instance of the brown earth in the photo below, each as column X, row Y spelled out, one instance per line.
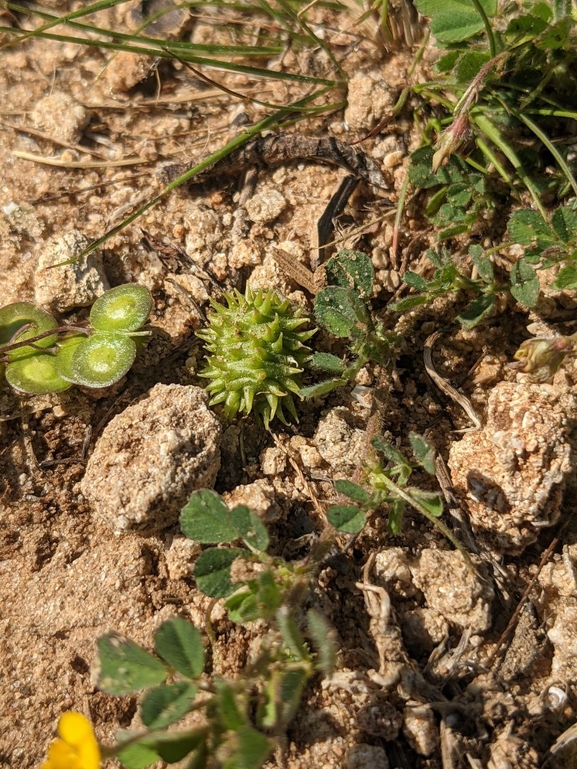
column 426, row 675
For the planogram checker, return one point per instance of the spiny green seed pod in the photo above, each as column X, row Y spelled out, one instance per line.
column 255, row 354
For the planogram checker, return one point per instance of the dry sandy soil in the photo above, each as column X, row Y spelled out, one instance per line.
column 435, row 667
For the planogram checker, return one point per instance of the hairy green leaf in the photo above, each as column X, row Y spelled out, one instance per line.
column 347, row 518
column 322, row 635
column 567, row 278
column 205, row 518
column 351, row 269
column 524, row 284
column 339, row 310
column 477, row 310
column 250, row 527
column 430, row 500
column 455, row 20
column 179, row 643
column 528, row 228
column 212, row 571
column 327, row 362
column 424, row 452
column 126, row 667
column 353, row 491
column 165, row 705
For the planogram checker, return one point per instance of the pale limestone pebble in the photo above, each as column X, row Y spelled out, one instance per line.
column 188, row 289
column 180, row 557
column 309, row 454
column 270, row 274
column 559, row 576
column 509, row 751
column 451, row 587
column 387, row 145
column 363, row 756
column 78, row 284
column 265, row 206
column 393, row 159
column 60, row 116
column 203, row 231
column 420, row 729
column 125, row 70
column 369, row 99
column 150, row 458
column 340, row 444
column 424, row 628
column 563, row 636
column 273, row 461
column 393, row 569
column 244, row 253
column 259, row 496
column 510, row 475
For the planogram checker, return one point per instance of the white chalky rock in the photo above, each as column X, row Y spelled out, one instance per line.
column 151, row 457
column 62, row 287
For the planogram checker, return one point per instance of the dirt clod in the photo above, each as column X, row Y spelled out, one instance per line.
column 152, row 457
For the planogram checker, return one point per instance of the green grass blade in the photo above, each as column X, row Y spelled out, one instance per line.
column 496, row 137
column 563, row 165
column 233, row 144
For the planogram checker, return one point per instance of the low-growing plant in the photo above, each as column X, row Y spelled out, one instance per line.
column 545, row 244
column 460, row 197
column 42, row 357
column 343, row 309
column 239, row 720
column 449, row 278
column 507, row 80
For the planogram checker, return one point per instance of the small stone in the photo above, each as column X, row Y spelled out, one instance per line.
column 273, row 461
column 265, row 206
column 420, row 729
column 393, row 159
column 510, row 475
column 259, row 496
column 151, row 457
column 340, row 444
column 180, row 557
column 67, row 286
column 451, row 588
column 61, row 117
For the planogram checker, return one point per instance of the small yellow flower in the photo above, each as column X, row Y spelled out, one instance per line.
column 76, row 747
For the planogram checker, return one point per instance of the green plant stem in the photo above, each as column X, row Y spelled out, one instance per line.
column 490, row 35
column 398, row 491
column 550, row 146
column 29, row 342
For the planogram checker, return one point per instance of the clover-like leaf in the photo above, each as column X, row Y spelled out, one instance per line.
column 15, row 316
column 250, row 527
column 35, row 375
column 206, row 519
column 124, row 308
column 102, row 359
column 353, row 491
column 179, row 644
column 347, row 518
column 340, row 310
column 126, row 667
column 212, row 571
column 167, row 704
column 351, row 269
column 524, row 284
column 455, row 20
